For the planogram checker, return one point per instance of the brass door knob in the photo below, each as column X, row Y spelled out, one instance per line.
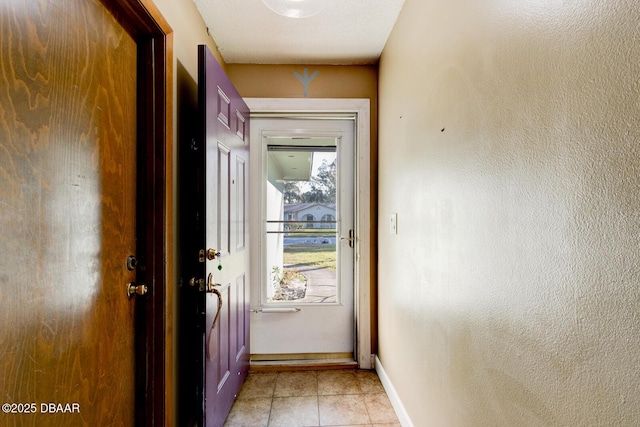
column 134, row 289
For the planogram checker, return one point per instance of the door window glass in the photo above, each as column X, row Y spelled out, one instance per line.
column 301, row 224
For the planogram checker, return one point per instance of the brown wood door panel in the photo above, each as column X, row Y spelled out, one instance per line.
column 68, row 139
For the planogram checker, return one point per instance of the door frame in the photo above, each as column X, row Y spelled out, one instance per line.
column 360, row 107
column 154, row 352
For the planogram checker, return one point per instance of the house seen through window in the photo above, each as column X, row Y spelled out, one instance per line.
column 301, row 224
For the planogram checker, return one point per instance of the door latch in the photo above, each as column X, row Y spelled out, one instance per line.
column 208, row 286
column 351, row 238
column 194, row 281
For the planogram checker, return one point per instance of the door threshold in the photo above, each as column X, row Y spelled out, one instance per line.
column 301, row 365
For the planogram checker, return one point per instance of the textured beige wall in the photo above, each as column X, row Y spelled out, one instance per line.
column 509, row 147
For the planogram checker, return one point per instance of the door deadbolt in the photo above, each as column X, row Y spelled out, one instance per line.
column 133, row 289
column 132, row 262
column 212, row 254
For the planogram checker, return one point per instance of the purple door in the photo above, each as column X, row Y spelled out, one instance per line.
column 226, row 187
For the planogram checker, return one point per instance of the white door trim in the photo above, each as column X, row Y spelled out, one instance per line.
column 362, row 273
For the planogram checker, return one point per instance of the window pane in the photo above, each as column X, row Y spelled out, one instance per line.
column 301, row 225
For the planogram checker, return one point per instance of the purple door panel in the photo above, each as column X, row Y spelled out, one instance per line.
column 225, row 118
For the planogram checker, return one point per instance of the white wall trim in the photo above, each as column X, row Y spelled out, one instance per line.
column 361, row 107
column 401, row 412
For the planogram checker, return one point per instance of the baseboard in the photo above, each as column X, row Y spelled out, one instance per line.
column 401, row 412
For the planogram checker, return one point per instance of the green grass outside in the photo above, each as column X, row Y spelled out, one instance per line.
column 322, row 256
column 327, row 232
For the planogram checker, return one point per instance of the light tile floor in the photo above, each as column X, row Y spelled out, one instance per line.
column 353, row 398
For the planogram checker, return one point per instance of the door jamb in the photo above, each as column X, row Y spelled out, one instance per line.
column 154, row 356
column 362, row 272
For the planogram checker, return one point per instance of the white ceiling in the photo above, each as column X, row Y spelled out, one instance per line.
column 344, row 32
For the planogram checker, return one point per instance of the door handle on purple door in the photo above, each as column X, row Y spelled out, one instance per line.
column 211, row 288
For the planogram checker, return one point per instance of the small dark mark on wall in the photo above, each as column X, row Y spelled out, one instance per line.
column 442, row 130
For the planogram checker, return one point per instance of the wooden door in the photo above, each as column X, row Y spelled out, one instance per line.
column 226, row 124
column 69, row 163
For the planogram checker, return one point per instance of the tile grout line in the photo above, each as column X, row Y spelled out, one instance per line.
column 364, row 402
column 273, row 393
column 318, row 397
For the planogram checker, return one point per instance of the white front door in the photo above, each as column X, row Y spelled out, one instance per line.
column 303, row 296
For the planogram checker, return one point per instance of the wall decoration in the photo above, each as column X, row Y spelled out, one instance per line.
column 305, row 78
